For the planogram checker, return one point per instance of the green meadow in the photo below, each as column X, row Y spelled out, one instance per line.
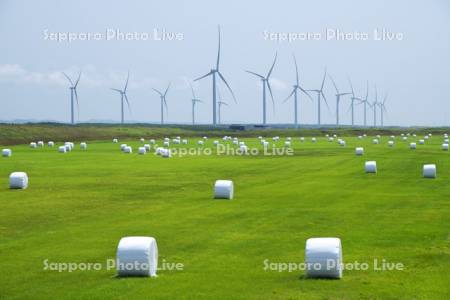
column 78, row 205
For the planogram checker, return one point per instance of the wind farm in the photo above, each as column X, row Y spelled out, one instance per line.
column 224, row 150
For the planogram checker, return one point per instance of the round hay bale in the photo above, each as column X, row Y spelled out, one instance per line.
column 323, row 258
column 184, row 142
column 40, row 144
column 18, row 180
column 166, row 153
column 370, row 167
column 375, row 141
column 166, row 144
column 152, row 141
column 83, row 146
column 147, row 147
column 445, row 147
column 142, row 140
column 142, row 150
column 421, row 142
column 314, row 140
column 412, row 146
column 359, row 151
column 51, row 144
column 302, row 139
column 33, row 145
column 223, row 189
column 243, row 149
column 200, row 143
column 62, row 149
column 115, row 140
column 128, row 150
column 429, row 171
column 123, row 146
column 137, row 256
column 391, row 143
column 6, row 152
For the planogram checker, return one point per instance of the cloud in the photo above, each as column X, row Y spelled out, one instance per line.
column 91, row 77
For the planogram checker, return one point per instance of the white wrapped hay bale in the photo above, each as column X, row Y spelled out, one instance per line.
column 152, row 141
column 392, row 137
column 128, row 150
column 235, row 142
column 243, row 149
column 51, row 144
column 375, row 141
column 68, row 148
column 6, row 152
column 147, row 147
column 287, row 144
column 215, row 143
column 289, row 139
column 414, row 135
column 412, row 146
column 426, row 137
column 159, row 150
column 223, row 189
column 176, row 141
column 33, row 145
column 445, row 147
column 184, row 142
column 205, row 138
column 360, row 137
column 327, row 135
column 62, row 149
column 166, row 139
column 266, row 144
column 359, row 151
column 330, row 139
column 421, row 142
column 165, row 153
column 370, row 167
column 40, row 144
column 429, row 171
column 302, row 139
column 142, row 140
column 18, row 180
column 342, row 143
column 391, row 143
column 137, row 256
column 123, row 146
column 83, row 146
column 313, row 139
column 404, row 138
column 378, row 136
column 142, row 150
column 445, row 141
column 323, row 258
column 166, row 144
column 364, row 135
column 241, row 143
column 200, row 143
column 115, row 140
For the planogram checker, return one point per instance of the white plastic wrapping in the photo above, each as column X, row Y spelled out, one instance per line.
column 18, row 180
column 370, row 167
column 137, row 256
column 429, row 171
column 224, row 189
column 323, row 258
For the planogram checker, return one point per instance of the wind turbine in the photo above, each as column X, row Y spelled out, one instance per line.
column 221, row 103
column 123, row 96
column 296, row 87
column 215, row 72
column 195, row 101
column 383, row 108
column 162, row 96
column 338, row 98
column 374, row 107
column 265, row 82
column 352, row 104
column 73, row 92
column 319, row 94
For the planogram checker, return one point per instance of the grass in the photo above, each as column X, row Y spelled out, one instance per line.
column 80, row 204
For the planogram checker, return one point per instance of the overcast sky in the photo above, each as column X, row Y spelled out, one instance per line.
column 414, row 67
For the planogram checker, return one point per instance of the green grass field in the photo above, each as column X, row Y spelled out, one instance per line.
column 80, row 204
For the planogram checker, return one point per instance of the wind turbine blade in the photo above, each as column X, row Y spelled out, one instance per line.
column 165, row 104
column 351, row 86
column 78, row 79
column 256, row 74
column 325, row 99
column 203, row 76
column 157, row 91
column 218, row 51
column 192, row 89
column 78, row 104
column 271, row 96
column 305, row 92
column 296, row 68
column 367, row 90
column 126, row 83
column 323, row 80
column 117, row 90
column 167, row 89
column 334, row 83
column 290, row 95
column 273, row 65
column 228, row 86
column 128, row 102
column 68, row 78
